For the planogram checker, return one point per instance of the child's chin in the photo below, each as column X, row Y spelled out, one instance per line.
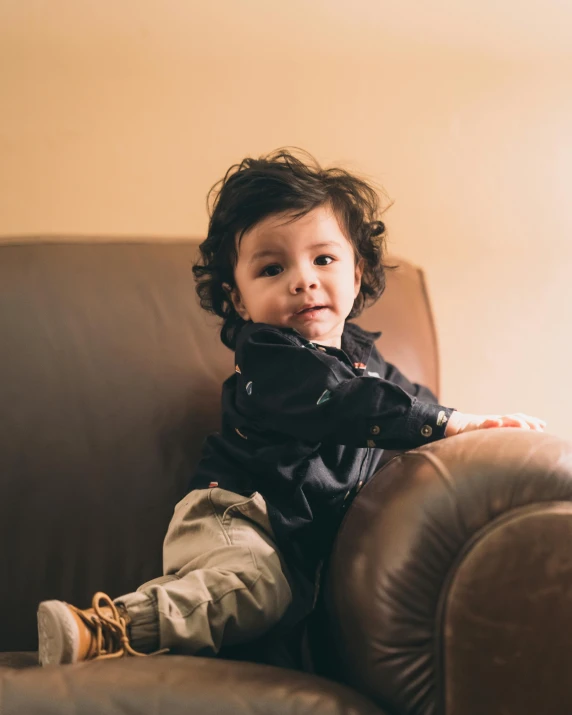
column 314, row 334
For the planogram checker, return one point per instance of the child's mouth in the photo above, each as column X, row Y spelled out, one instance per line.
column 311, row 309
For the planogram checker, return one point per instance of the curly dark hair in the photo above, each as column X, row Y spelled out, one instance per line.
column 278, row 183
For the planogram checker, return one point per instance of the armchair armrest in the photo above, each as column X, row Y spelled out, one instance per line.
column 450, row 583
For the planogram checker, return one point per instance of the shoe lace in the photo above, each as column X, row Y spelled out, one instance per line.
column 109, row 628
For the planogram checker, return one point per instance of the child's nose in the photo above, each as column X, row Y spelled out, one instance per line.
column 303, row 281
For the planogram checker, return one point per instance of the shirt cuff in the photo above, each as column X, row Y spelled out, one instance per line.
column 427, row 422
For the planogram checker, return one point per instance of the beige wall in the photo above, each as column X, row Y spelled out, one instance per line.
column 116, row 118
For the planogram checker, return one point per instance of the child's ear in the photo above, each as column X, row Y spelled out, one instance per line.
column 358, row 275
column 234, row 296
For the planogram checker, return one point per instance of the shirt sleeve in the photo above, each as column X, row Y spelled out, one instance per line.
column 312, row 396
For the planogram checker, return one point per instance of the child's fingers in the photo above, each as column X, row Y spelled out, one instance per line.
column 523, row 421
column 517, row 419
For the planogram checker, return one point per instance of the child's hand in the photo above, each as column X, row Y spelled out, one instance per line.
column 465, row 422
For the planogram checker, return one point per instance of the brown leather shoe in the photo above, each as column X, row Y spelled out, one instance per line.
column 68, row 635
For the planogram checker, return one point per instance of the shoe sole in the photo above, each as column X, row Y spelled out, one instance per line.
column 58, row 635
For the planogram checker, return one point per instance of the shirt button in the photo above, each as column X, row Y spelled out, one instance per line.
column 375, row 429
column 426, row 431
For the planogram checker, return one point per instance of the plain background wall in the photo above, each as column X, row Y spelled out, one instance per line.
column 116, row 119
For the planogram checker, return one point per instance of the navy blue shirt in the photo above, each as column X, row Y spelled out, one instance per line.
column 306, row 425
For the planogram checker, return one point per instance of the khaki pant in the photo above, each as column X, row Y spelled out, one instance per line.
column 224, row 582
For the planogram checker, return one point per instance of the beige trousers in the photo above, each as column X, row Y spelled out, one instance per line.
column 224, row 581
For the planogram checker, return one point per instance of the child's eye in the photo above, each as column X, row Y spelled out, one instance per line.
column 272, row 270
column 324, row 260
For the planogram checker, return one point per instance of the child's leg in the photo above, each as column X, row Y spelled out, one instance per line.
column 223, row 584
column 224, row 579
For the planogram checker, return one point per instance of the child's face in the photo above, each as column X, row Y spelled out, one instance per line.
column 285, row 268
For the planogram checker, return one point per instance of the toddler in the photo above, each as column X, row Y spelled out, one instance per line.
column 293, row 252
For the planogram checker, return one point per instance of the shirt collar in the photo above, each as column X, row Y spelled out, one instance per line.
column 357, row 343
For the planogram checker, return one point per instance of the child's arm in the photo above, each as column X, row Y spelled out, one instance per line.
column 305, row 393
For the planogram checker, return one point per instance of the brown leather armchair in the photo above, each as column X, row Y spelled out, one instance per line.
column 450, row 585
